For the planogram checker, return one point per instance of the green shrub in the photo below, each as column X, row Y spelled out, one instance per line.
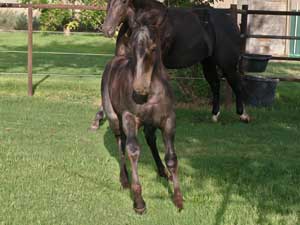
column 22, row 22
column 54, row 19
column 7, row 19
column 90, row 20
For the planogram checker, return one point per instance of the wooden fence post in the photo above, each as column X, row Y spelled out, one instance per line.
column 29, row 54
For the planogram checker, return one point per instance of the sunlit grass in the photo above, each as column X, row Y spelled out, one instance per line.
column 53, row 171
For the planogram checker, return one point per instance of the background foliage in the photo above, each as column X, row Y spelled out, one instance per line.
column 85, row 20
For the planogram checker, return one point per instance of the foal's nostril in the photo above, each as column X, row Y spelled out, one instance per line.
column 108, row 31
column 138, row 98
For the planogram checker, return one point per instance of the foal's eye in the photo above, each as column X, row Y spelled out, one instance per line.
column 124, row 1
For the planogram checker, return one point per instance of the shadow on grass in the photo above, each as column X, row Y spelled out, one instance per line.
column 35, row 86
column 146, row 158
column 255, row 162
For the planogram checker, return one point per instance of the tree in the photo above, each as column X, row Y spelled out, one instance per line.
column 188, row 3
column 57, row 19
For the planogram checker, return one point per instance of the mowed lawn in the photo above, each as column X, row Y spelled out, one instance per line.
column 54, row 171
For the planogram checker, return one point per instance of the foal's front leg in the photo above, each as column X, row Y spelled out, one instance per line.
column 121, row 140
column 130, row 129
column 168, row 132
column 149, row 132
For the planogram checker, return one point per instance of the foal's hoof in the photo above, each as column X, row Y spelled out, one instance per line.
column 178, row 201
column 140, row 209
column 245, row 118
column 164, row 174
column 125, row 184
column 215, row 118
column 94, row 126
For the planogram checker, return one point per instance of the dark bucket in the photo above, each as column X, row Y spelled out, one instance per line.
column 255, row 63
column 259, row 91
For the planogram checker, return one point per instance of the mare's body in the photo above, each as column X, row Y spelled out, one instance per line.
column 188, row 36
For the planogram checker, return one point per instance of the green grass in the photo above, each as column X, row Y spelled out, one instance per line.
column 79, row 64
column 12, row 62
column 53, row 171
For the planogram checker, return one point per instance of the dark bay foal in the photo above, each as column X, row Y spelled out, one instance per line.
column 135, row 92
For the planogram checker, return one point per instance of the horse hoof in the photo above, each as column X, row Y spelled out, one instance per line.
column 125, row 184
column 178, row 201
column 164, row 174
column 94, row 127
column 215, row 118
column 245, row 118
column 140, row 210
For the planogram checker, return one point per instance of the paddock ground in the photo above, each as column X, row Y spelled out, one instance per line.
column 53, row 171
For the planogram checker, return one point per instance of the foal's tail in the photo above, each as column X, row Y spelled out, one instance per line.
column 98, row 120
column 105, row 103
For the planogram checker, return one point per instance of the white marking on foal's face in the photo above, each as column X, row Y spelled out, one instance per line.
column 144, row 64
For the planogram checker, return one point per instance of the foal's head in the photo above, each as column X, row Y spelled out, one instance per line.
column 145, row 49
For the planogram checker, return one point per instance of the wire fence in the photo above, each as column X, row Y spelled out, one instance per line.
column 35, row 52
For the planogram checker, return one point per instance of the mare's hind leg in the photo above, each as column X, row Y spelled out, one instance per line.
column 234, row 80
column 149, row 132
column 168, row 132
column 211, row 75
column 133, row 149
column 98, row 118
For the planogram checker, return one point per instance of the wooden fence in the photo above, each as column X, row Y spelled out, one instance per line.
column 30, row 8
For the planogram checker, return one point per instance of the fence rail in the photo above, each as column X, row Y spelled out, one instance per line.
column 30, row 8
column 245, row 12
column 52, row 6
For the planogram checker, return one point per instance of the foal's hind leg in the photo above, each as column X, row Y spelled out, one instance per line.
column 168, row 132
column 98, row 118
column 211, row 75
column 149, row 132
column 133, row 150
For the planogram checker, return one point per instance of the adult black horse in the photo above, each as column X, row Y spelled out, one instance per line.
column 188, row 36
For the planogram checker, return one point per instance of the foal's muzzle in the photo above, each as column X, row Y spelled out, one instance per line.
column 108, row 31
column 138, row 98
